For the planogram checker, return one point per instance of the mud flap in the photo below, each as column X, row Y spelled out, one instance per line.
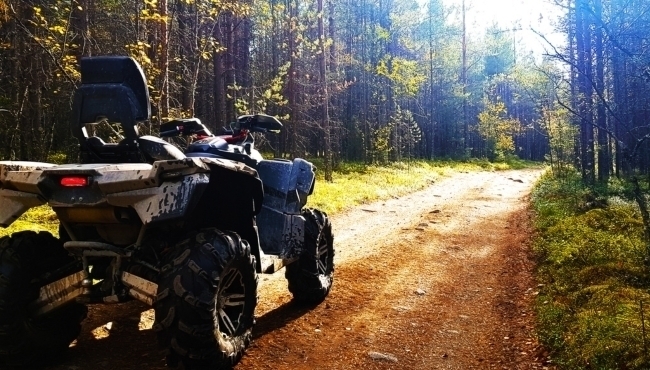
column 283, row 234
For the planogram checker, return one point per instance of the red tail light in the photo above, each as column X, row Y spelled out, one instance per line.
column 74, row 181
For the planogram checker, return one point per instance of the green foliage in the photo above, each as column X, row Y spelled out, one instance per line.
column 38, row 219
column 516, row 163
column 556, row 199
column 51, row 32
column 593, row 275
column 500, row 56
column 381, row 144
column 271, row 96
column 498, row 130
column 57, row 158
column 405, row 75
column 214, row 58
column 407, row 133
column 561, row 135
column 397, row 139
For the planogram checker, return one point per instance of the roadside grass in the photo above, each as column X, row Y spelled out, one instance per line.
column 358, row 183
column 594, row 283
column 354, row 183
column 37, row 219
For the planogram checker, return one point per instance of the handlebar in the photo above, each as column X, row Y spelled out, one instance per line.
column 259, row 123
column 185, row 127
column 239, row 130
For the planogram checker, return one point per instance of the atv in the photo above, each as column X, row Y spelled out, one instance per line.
column 186, row 232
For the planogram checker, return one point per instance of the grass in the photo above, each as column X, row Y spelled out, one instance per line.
column 595, row 280
column 357, row 183
column 37, row 219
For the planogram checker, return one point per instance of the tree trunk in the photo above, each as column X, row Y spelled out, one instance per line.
column 242, row 41
column 80, row 29
column 219, row 88
column 463, row 81
column 195, row 59
column 229, row 66
column 30, row 113
column 164, row 61
column 292, row 85
column 325, row 119
column 583, row 46
column 604, row 162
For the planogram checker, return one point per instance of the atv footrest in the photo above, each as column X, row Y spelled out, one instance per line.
column 95, row 249
column 272, row 264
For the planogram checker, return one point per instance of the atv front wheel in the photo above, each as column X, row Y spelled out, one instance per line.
column 206, row 301
column 310, row 278
column 27, row 261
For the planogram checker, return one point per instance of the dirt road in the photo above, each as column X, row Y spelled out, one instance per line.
column 439, row 279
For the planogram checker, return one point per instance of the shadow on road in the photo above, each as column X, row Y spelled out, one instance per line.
column 280, row 317
column 122, row 344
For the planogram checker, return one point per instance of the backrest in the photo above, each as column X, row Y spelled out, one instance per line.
column 113, row 89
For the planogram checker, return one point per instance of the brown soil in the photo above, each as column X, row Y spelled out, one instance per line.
column 439, row 279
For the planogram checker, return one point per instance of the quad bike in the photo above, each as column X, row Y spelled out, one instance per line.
column 186, row 233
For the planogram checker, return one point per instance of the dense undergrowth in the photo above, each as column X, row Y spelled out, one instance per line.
column 594, row 283
column 354, row 184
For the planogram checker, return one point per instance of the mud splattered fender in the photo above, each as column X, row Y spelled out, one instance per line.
column 253, row 181
column 171, row 200
column 21, row 175
column 18, row 188
column 281, row 233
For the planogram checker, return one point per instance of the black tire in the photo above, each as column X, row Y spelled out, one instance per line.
column 27, row 260
column 193, row 318
column 310, row 278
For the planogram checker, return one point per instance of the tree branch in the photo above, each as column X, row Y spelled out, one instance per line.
column 56, row 62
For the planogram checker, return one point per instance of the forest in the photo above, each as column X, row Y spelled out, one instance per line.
column 364, row 80
column 383, row 82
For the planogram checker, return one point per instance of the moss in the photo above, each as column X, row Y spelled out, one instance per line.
column 592, row 266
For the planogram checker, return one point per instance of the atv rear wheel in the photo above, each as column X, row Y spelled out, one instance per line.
column 206, row 301
column 27, row 260
column 310, row 278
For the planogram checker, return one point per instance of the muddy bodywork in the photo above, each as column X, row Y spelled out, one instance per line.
column 157, row 192
column 287, row 184
column 127, row 214
column 14, row 177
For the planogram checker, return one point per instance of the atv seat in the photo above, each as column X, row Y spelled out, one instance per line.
column 218, row 147
column 114, row 91
column 157, row 149
column 151, row 149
